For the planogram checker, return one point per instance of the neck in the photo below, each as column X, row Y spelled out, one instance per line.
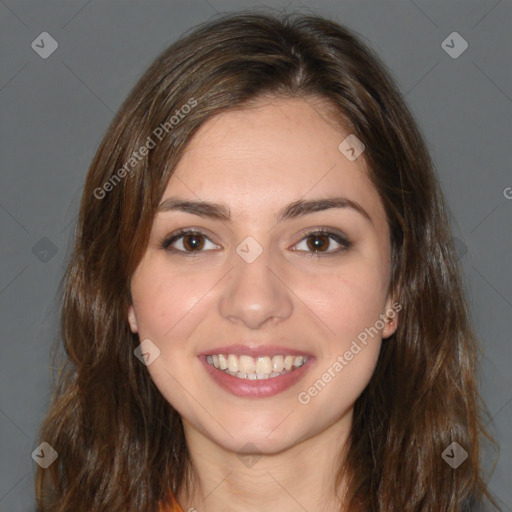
column 300, row 477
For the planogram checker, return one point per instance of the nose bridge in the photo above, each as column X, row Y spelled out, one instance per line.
column 254, row 293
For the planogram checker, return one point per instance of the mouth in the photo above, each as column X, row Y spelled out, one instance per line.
column 256, row 368
column 256, row 376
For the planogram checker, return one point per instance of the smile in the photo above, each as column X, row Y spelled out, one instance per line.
column 256, row 377
column 256, row 368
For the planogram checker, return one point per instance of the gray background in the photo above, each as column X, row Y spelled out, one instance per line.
column 56, row 110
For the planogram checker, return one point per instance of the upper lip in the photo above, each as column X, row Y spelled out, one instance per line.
column 255, row 350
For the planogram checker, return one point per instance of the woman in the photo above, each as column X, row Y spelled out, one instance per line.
column 263, row 309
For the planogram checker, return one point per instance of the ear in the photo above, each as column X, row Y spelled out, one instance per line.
column 391, row 317
column 132, row 320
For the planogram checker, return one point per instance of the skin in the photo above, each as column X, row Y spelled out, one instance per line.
column 256, row 161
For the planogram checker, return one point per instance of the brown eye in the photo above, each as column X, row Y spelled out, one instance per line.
column 321, row 242
column 188, row 242
column 318, row 243
column 193, row 242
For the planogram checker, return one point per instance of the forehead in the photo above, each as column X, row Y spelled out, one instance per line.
column 275, row 152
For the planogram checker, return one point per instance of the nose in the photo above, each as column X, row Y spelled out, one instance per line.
column 255, row 294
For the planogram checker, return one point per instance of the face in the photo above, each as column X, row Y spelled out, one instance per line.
column 266, row 270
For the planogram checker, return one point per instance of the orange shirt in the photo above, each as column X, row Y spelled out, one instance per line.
column 173, row 506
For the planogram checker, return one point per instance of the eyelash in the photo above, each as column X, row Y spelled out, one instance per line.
column 338, row 238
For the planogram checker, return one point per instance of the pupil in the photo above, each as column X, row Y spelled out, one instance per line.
column 192, row 242
column 317, row 242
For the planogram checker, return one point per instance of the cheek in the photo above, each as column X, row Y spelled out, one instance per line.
column 335, row 386
column 348, row 300
column 169, row 306
column 164, row 301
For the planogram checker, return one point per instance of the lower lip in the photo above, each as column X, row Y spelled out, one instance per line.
column 256, row 388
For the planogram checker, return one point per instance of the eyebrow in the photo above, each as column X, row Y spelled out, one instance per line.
column 291, row 211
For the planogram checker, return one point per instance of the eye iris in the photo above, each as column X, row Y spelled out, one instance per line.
column 318, row 242
column 193, row 242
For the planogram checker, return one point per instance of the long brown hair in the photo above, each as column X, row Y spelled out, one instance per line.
column 121, row 446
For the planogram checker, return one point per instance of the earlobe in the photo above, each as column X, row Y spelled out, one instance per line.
column 132, row 320
column 391, row 320
column 390, row 326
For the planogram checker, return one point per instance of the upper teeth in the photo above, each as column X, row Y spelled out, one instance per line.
column 258, row 365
